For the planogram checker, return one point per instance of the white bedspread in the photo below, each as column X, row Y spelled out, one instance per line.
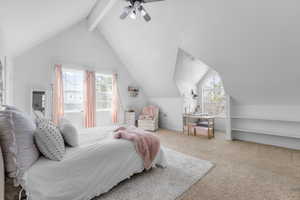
column 93, row 168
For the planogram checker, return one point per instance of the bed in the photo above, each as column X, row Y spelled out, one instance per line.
column 93, row 168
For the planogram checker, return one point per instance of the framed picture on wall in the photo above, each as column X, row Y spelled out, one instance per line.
column 41, row 102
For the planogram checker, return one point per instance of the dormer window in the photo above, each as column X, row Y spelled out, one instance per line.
column 213, row 95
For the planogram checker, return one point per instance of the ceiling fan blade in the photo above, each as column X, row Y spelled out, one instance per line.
column 149, row 1
column 126, row 12
column 147, row 17
column 145, row 14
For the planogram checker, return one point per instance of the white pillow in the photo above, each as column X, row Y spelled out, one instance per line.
column 69, row 132
column 17, row 135
column 8, row 144
column 50, row 141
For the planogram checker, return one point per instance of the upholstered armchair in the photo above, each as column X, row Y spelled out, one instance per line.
column 148, row 120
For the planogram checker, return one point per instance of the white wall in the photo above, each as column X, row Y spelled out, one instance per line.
column 267, row 124
column 188, row 72
column 220, row 124
column 76, row 46
column 170, row 112
column 9, row 85
column 7, row 62
column 253, row 45
column 25, row 24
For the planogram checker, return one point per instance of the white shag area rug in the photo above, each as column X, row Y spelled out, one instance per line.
column 162, row 183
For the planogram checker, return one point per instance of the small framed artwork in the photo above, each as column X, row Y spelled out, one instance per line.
column 133, row 91
column 40, row 102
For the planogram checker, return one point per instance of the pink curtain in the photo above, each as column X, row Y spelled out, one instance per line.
column 89, row 100
column 58, row 95
column 115, row 104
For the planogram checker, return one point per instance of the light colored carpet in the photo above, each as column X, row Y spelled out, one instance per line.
column 244, row 171
column 168, row 183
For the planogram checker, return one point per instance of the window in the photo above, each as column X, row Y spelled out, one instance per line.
column 103, row 91
column 213, row 95
column 73, row 90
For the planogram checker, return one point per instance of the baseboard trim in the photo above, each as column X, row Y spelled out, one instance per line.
column 286, row 142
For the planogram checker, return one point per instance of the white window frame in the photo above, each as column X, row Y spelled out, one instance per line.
column 74, row 70
column 101, row 109
column 203, row 88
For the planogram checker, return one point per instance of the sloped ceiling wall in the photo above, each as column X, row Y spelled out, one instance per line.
column 24, row 24
column 254, row 45
column 188, row 72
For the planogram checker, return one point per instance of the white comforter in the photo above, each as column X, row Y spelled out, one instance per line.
column 93, row 168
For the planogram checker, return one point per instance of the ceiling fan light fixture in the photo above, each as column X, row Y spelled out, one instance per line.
column 143, row 12
column 133, row 14
column 136, row 9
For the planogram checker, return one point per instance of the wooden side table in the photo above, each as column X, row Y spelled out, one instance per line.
column 193, row 126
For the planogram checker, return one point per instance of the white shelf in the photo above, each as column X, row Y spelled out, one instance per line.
column 265, row 119
column 268, row 132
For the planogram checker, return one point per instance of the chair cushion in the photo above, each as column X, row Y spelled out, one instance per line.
column 146, row 117
column 50, row 141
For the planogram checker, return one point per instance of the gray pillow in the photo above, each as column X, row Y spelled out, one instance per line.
column 22, row 127
column 50, row 141
column 8, row 144
column 69, row 132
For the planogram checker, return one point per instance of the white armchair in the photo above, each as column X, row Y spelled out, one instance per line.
column 148, row 120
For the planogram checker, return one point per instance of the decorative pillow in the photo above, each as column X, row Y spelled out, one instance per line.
column 69, row 132
column 24, row 128
column 50, row 141
column 19, row 125
column 8, row 144
column 39, row 117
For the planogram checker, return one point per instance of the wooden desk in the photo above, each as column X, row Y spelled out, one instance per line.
column 209, row 118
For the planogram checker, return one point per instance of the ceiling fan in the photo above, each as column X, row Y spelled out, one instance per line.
column 135, row 8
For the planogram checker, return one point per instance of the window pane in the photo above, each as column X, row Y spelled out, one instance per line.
column 73, row 90
column 213, row 95
column 103, row 91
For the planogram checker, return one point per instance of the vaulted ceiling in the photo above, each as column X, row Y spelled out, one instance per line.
column 24, row 24
column 253, row 44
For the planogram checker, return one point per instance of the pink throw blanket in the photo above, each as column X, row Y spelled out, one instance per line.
column 146, row 144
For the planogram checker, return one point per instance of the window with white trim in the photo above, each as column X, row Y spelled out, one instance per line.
column 213, row 95
column 73, row 90
column 103, row 91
